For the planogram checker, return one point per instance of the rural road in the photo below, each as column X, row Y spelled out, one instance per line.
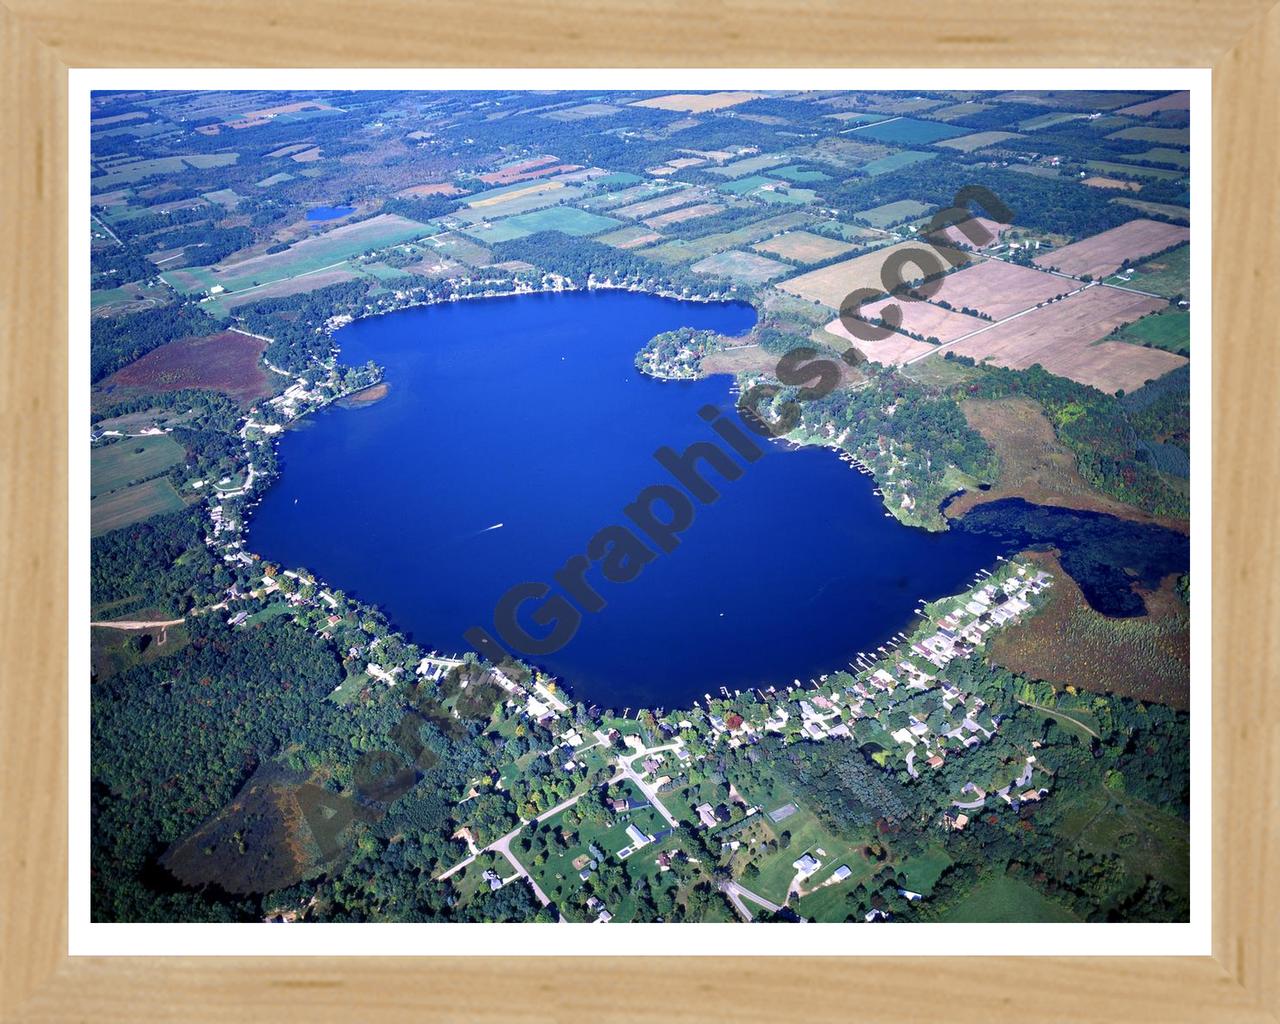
column 1058, row 714
column 139, row 623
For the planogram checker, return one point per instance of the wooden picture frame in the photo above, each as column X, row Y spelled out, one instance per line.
column 42, row 39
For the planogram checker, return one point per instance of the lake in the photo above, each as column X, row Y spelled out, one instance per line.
column 528, row 412
column 329, row 212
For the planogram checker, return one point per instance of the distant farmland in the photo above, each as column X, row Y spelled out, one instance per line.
column 1061, row 337
column 906, row 131
column 313, row 253
column 803, row 247
column 1167, row 275
column 1000, row 289
column 829, row 285
column 228, row 362
column 905, row 158
column 1103, row 253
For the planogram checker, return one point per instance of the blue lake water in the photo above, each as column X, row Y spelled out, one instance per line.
column 329, row 212
column 529, row 412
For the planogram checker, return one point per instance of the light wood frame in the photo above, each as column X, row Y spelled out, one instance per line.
column 41, row 39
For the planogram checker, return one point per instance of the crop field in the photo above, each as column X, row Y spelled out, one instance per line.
column 313, row 253
column 1174, row 101
column 981, row 227
column 567, row 219
column 1116, row 183
column 109, row 512
column 1032, row 124
column 749, row 166
column 1063, row 337
column 513, row 172
column 666, row 201
column 899, row 106
column 829, row 285
column 1163, row 155
column 803, row 247
column 893, row 213
column 751, row 183
column 895, row 350
column 1165, row 136
column 630, row 237
column 636, row 193
column 228, row 362
column 926, row 319
column 905, row 131
column 684, row 213
column 1133, row 170
column 1169, row 329
column 844, row 151
column 431, row 188
column 959, row 110
column 123, row 173
column 999, row 289
column 857, row 117
column 114, row 466
column 741, row 266
column 978, row 140
column 905, row 158
column 1167, row 275
column 227, row 301
column 697, row 103
column 275, row 179
column 1103, row 253
column 1180, row 213
column 520, row 201
column 800, row 175
column 506, row 193
column 582, row 112
column 681, row 249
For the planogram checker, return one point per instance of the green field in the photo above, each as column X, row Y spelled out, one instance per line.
column 1167, row 210
column 130, row 459
column 799, row 174
column 1106, row 167
column 1048, row 120
column 1167, row 275
column 681, row 249
column 906, row 131
column 132, row 505
column 567, row 219
column 741, row 266
column 893, row 213
column 1169, row 329
column 121, row 173
column 1167, row 136
column 1001, row 899
column 748, row 166
column 896, row 160
column 316, row 252
column 1163, row 155
column 749, row 184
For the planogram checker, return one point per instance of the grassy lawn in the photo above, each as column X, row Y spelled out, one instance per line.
column 1004, row 900
column 113, row 650
column 923, row 869
column 119, row 464
column 349, row 688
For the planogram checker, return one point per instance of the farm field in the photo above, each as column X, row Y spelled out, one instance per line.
column 1133, row 170
column 895, row 350
column 680, row 250
column 432, row 188
column 1179, row 158
column 1061, row 337
column 313, row 253
column 624, row 196
column 741, row 266
column 664, row 201
column 519, row 202
column 128, row 298
column 630, row 237
column 959, row 110
column 800, row 175
column 846, row 151
column 1167, row 136
column 926, row 319
column 750, row 165
column 229, row 362
column 1101, row 254
column 1000, row 289
column 120, row 463
column 803, row 247
column 857, row 117
column 698, row 103
column 119, row 508
column 1048, row 120
column 893, row 213
column 126, row 173
column 683, row 214
column 568, row 219
column 1168, row 274
column 226, row 301
column 459, row 247
column 899, row 106
column 1174, row 101
column 904, row 158
column 1169, row 329
column 829, row 285
column 978, row 140
column 1115, row 183
column 1178, row 213
column 979, row 227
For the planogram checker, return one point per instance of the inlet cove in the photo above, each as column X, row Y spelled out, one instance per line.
column 523, row 487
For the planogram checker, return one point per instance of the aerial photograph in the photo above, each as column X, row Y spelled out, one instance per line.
column 562, row 506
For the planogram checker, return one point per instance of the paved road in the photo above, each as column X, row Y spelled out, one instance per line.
column 742, row 891
column 138, row 623
column 647, row 788
column 503, row 846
